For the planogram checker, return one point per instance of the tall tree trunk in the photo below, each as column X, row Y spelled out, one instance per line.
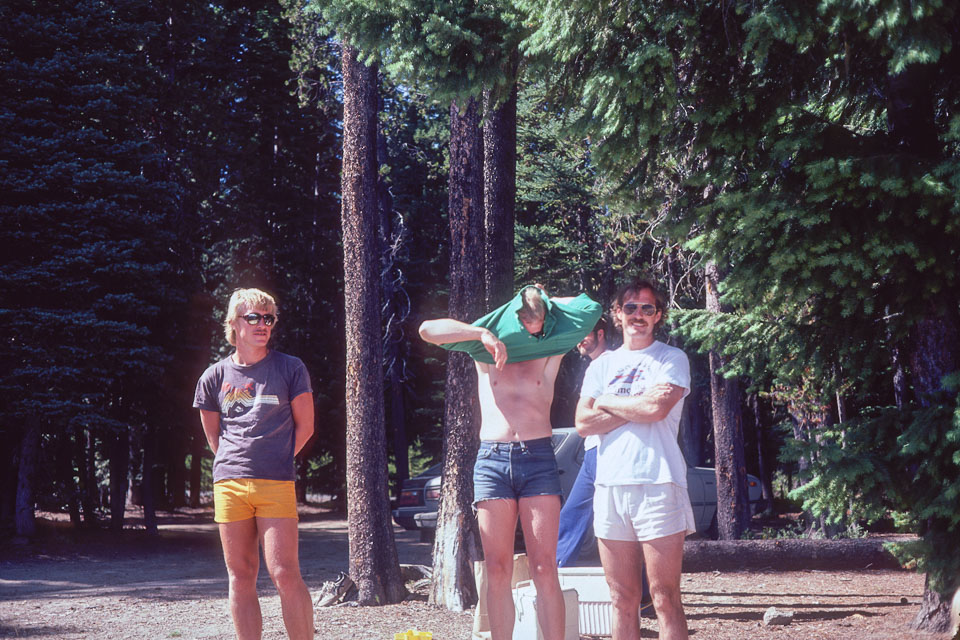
column 458, row 537
column 374, row 564
column 65, row 470
column 149, row 486
column 766, row 471
column 692, row 428
column 395, row 310
column 9, row 453
column 934, row 353
column 89, row 491
column 733, row 499
column 198, row 446
column 499, row 194
column 26, row 472
column 934, row 349
column 119, row 477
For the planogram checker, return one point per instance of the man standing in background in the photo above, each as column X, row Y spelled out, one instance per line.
column 576, row 516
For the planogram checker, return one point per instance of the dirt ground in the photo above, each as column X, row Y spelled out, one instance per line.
column 70, row 585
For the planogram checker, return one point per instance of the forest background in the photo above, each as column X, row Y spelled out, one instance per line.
column 790, row 174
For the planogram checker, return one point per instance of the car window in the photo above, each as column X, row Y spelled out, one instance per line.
column 431, row 471
column 557, row 439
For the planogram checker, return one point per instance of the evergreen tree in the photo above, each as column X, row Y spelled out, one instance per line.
column 458, row 535
column 733, row 500
column 817, row 158
column 84, row 285
column 560, row 241
column 373, row 553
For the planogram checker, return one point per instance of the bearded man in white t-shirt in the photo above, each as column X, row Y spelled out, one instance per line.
column 632, row 398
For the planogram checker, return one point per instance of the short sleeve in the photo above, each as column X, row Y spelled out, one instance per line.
column 206, row 396
column 299, row 379
column 592, row 386
column 676, row 370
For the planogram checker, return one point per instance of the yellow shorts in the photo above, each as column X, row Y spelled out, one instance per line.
column 245, row 498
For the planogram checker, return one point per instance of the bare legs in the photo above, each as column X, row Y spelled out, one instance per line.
column 498, row 520
column 622, row 561
column 242, row 557
column 539, row 517
column 241, row 541
column 279, row 538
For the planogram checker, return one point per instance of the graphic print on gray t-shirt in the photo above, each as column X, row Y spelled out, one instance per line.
column 256, row 422
column 243, row 399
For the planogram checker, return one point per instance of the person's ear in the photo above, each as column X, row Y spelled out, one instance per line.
column 600, row 334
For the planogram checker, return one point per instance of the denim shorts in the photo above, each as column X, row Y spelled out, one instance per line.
column 514, row 470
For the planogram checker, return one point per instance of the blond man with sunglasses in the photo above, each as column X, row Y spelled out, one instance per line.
column 632, row 398
column 256, row 408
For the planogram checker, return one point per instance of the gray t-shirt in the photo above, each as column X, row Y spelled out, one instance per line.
column 256, row 422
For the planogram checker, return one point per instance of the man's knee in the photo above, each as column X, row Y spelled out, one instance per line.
column 242, row 577
column 286, row 577
column 625, row 596
column 542, row 567
column 499, row 569
column 243, row 570
column 664, row 596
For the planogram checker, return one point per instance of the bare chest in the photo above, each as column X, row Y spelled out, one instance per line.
column 525, row 376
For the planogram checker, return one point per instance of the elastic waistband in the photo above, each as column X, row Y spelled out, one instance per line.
column 523, row 444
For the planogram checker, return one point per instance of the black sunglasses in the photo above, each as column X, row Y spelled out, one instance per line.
column 646, row 309
column 254, row 318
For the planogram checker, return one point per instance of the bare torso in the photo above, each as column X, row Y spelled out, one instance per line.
column 515, row 402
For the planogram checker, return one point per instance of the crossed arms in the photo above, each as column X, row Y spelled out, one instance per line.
column 607, row 412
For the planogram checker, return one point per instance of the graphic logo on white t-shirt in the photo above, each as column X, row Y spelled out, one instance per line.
column 628, row 381
column 243, row 398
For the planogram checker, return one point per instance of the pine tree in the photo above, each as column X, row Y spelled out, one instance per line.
column 813, row 148
column 373, row 553
column 84, row 282
column 456, row 50
column 458, row 536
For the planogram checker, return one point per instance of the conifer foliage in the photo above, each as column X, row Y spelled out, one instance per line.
column 85, row 232
column 812, row 148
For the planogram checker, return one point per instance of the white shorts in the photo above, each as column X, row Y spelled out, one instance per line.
column 641, row 512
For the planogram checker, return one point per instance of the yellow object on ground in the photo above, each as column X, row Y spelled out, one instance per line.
column 413, row 634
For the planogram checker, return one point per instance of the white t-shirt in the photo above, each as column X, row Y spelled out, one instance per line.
column 636, row 453
column 592, row 442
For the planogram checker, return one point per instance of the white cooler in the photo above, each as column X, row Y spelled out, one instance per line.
column 593, row 596
column 526, row 627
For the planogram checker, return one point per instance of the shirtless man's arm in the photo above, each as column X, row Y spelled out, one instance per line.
column 607, row 412
column 445, row 330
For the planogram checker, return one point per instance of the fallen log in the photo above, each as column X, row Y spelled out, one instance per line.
column 788, row 554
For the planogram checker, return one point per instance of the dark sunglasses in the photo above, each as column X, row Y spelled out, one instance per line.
column 646, row 309
column 254, row 318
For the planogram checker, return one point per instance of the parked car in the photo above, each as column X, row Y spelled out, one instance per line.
column 410, row 500
column 568, row 448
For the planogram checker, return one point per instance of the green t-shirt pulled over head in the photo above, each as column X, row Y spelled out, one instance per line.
column 564, row 326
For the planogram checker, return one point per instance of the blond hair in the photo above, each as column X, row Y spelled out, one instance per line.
column 242, row 301
column 533, row 307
